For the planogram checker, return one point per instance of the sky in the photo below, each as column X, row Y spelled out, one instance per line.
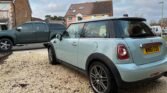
column 149, row 9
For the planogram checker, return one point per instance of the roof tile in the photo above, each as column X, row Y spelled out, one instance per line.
column 103, row 7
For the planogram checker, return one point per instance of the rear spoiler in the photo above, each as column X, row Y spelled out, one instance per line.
column 131, row 19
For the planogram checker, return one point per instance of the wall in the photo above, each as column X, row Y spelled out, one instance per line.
column 6, row 14
column 22, row 12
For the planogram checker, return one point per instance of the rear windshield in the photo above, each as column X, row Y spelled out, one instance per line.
column 57, row 27
column 135, row 29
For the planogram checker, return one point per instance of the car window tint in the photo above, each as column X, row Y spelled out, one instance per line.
column 74, row 30
column 41, row 27
column 96, row 30
column 56, row 27
column 136, row 29
column 27, row 28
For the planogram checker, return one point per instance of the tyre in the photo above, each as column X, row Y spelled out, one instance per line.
column 52, row 56
column 5, row 45
column 101, row 79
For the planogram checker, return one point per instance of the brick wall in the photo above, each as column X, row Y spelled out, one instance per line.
column 22, row 12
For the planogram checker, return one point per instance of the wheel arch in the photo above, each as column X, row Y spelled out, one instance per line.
column 48, row 45
column 8, row 37
column 107, row 62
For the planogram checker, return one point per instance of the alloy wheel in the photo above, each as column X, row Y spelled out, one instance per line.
column 99, row 79
column 5, row 45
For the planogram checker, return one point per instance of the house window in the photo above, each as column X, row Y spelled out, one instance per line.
column 69, row 18
column 80, row 18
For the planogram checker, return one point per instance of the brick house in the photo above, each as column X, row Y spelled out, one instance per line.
column 164, row 23
column 14, row 13
column 90, row 10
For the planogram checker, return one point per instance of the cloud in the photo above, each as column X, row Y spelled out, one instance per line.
column 150, row 9
column 41, row 8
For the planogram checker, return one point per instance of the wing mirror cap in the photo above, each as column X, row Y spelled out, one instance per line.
column 19, row 29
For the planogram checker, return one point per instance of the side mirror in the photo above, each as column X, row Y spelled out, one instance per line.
column 59, row 36
column 19, row 29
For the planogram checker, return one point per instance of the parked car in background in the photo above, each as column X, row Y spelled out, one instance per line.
column 112, row 52
column 165, row 31
column 56, row 28
column 157, row 30
column 30, row 32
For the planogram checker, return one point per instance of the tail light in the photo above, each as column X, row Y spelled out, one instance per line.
column 122, row 52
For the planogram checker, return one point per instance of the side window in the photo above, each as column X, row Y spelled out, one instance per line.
column 40, row 27
column 56, row 27
column 74, row 30
column 96, row 30
column 27, row 27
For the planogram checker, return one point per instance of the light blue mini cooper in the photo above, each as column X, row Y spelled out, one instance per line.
column 112, row 52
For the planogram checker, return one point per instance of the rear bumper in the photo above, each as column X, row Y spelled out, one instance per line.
column 133, row 73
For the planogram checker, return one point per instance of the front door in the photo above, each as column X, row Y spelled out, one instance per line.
column 67, row 48
column 25, row 34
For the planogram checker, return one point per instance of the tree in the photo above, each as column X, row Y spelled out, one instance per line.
column 49, row 17
column 153, row 23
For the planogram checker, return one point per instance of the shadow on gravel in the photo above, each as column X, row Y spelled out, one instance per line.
column 147, row 87
column 4, row 56
column 28, row 47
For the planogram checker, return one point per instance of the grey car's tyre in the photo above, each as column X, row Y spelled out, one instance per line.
column 101, row 79
column 52, row 56
column 6, row 45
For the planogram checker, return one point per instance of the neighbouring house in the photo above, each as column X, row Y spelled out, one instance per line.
column 14, row 13
column 89, row 10
column 164, row 23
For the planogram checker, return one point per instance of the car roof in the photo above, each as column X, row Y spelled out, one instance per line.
column 112, row 18
column 35, row 22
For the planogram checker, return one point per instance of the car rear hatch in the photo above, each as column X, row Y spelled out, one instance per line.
column 146, row 50
column 143, row 45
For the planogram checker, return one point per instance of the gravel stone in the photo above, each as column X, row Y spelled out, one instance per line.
column 30, row 72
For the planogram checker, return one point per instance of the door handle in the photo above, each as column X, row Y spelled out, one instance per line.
column 74, row 44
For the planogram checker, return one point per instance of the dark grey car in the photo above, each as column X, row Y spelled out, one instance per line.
column 30, row 32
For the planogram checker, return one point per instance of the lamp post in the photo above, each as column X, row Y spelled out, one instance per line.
column 162, row 15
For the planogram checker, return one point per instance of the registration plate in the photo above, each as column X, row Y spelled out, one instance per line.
column 151, row 49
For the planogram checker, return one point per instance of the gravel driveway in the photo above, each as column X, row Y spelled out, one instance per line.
column 30, row 72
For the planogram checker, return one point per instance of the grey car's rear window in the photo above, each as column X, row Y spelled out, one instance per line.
column 134, row 29
column 56, row 27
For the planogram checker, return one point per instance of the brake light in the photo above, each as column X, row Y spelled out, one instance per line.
column 122, row 52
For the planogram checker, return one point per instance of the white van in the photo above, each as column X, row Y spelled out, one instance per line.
column 157, row 30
